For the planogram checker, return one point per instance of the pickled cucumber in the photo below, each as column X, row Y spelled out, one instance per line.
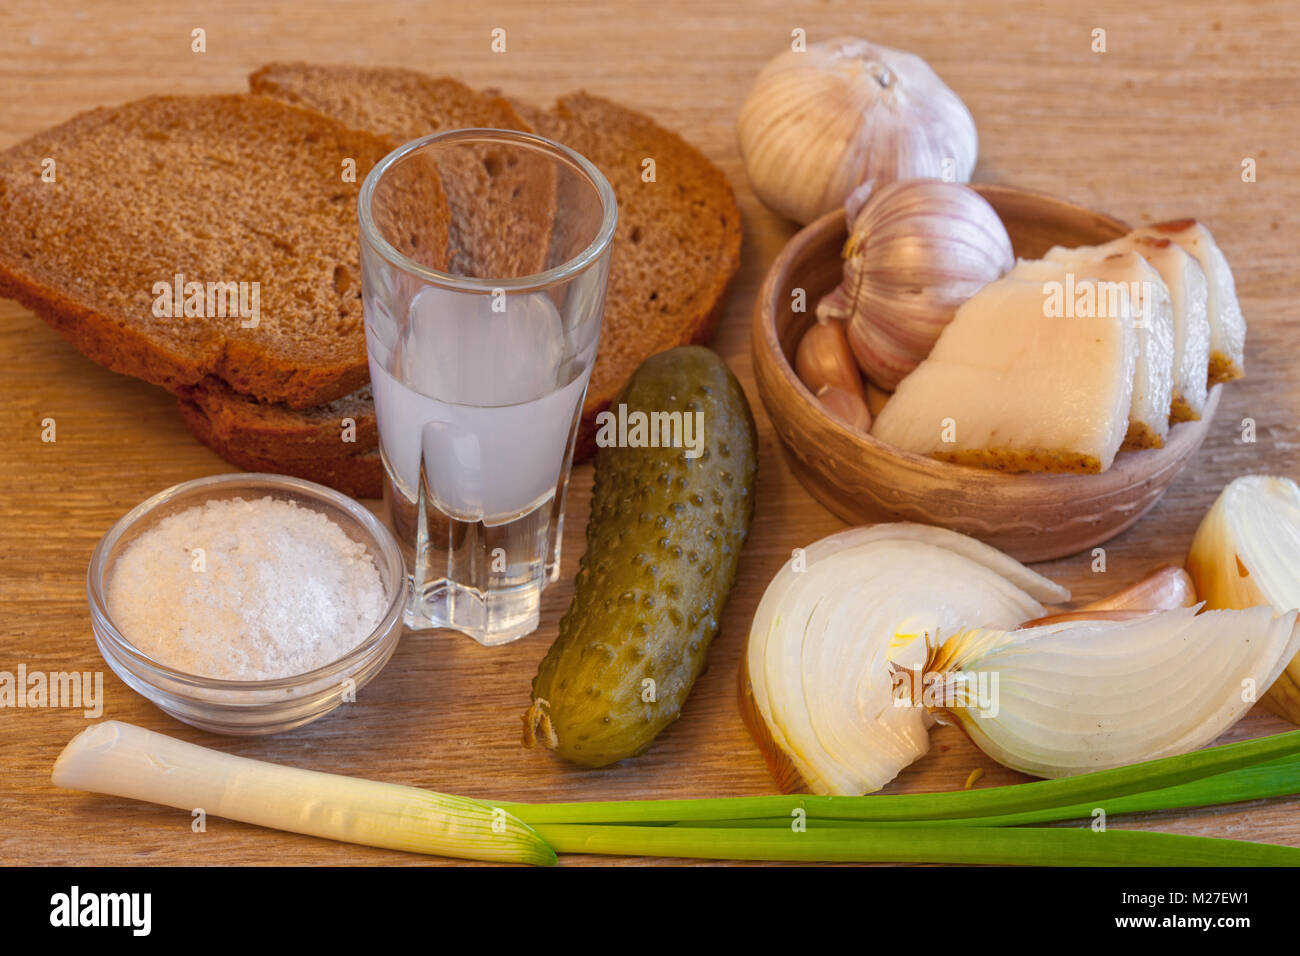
column 665, row 533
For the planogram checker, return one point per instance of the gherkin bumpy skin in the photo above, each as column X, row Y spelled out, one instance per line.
column 663, row 542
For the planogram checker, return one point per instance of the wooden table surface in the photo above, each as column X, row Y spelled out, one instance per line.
column 1156, row 127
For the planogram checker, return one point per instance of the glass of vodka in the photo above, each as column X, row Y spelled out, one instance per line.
column 484, row 258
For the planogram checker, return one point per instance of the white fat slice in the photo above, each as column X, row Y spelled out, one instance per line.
column 1189, row 302
column 1124, row 276
column 1013, row 385
column 1227, row 324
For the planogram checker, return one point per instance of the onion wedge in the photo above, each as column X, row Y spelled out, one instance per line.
column 1068, row 698
column 1246, row 552
column 843, row 616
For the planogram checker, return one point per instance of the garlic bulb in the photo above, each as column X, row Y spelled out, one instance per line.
column 917, row 251
column 847, row 113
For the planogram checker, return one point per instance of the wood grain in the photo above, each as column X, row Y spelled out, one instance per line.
column 1155, row 128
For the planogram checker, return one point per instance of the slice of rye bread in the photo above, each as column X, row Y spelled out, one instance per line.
column 272, row 430
column 219, row 189
column 502, row 205
column 359, row 474
column 677, row 247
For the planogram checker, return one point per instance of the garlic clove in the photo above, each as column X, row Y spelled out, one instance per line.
column 876, row 398
column 1164, row 589
column 852, row 408
column 823, row 358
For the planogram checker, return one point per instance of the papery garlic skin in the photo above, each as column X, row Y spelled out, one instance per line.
column 846, row 113
column 1074, row 697
column 1246, row 552
column 916, row 252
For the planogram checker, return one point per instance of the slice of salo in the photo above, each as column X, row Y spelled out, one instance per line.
column 1189, row 303
column 1123, row 275
column 1227, row 324
column 1015, row 384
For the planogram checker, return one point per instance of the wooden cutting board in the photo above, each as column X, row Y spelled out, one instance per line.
column 1156, row 127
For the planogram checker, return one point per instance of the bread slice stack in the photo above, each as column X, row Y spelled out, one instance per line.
column 180, row 194
column 677, row 245
column 675, row 251
column 207, row 244
column 251, row 188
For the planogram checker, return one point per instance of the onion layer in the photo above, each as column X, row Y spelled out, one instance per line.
column 1246, row 552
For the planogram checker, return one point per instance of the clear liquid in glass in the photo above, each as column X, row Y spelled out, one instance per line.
column 478, row 410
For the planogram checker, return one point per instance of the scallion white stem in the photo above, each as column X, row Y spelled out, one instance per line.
column 128, row 761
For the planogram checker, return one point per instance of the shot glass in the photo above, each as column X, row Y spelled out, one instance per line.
column 484, row 260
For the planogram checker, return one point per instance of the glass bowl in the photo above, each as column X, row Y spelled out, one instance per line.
column 255, row 706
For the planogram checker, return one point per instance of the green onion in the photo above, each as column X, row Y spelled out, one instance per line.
column 960, row 805
column 871, row 844
column 1274, row 778
column 981, row 826
column 128, row 761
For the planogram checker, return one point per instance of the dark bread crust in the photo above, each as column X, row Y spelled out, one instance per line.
column 229, row 188
column 273, row 430
column 359, row 475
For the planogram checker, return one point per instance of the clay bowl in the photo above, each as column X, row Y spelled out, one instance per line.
column 1033, row 517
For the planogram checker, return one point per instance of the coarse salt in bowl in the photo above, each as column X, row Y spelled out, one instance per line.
column 304, row 635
